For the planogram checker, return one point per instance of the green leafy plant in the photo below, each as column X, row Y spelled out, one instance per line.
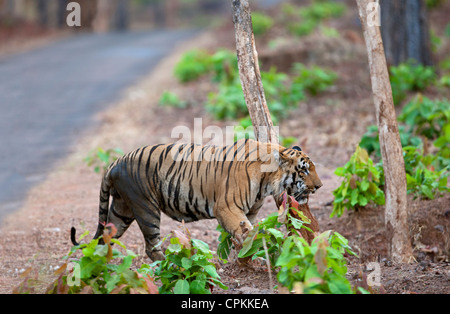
column 100, row 159
column 370, row 140
column 224, row 66
column 268, row 230
column 316, row 268
column 421, row 176
column 314, row 79
column 169, row 99
column 425, row 116
column 229, row 102
column 410, row 77
column 303, row 28
column 282, row 91
column 102, row 270
column 443, row 145
column 321, row 10
column 319, row 267
column 361, row 184
column 187, row 268
column 192, row 65
column 304, row 20
column 268, row 233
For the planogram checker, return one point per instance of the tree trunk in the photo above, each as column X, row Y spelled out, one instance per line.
column 42, row 9
column 254, row 92
column 405, row 32
column 101, row 23
column 250, row 75
column 397, row 231
column 122, row 18
column 61, row 13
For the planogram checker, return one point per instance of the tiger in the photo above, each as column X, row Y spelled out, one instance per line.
column 190, row 182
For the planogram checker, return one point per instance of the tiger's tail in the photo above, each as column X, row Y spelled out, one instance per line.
column 103, row 209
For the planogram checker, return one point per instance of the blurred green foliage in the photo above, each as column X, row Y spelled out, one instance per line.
column 261, row 23
column 303, row 20
column 283, row 92
column 410, row 77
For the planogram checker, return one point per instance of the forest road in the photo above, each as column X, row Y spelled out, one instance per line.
column 50, row 95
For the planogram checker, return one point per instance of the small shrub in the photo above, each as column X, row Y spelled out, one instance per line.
column 421, row 176
column 314, row 79
column 224, row 66
column 304, row 20
column 187, row 267
column 425, row 116
column 321, row 10
column 100, row 159
column 316, row 268
column 361, row 184
column 303, row 28
column 169, row 99
column 192, row 65
column 319, row 267
column 410, row 77
column 228, row 102
column 102, row 270
column 442, row 143
column 370, row 140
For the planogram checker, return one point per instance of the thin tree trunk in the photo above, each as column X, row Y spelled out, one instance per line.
column 396, row 214
column 250, row 75
column 254, row 92
column 101, row 23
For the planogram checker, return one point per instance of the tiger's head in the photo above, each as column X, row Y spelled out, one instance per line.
column 297, row 174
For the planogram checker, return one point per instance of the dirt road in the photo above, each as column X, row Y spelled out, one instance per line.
column 49, row 95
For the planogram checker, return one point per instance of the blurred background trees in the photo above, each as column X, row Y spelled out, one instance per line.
column 106, row 15
column 405, row 31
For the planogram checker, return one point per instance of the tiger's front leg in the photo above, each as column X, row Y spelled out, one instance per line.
column 234, row 221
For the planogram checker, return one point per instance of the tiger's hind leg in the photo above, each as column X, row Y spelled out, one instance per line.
column 149, row 222
column 120, row 215
column 148, row 217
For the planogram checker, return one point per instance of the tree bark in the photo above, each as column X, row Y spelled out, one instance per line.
column 405, row 32
column 250, row 74
column 397, row 231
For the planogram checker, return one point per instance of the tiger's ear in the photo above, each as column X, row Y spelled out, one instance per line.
column 282, row 158
column 297, row 148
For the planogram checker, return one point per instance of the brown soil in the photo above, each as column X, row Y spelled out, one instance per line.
column 328, row 127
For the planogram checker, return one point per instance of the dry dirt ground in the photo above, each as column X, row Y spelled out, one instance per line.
column 328, row 127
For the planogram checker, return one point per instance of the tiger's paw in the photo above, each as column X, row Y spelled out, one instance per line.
column 157, row 256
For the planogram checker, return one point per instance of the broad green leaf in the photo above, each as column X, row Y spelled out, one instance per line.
column 248, row 242
column 276, row 233
column 211, row 270
column 200, row 245
column 181, row 287
column 198, row 287
column 427, row 191
column 354, row 198
column 186, row 263
column 365, row 185
column 256, row 245
column 362, row 200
